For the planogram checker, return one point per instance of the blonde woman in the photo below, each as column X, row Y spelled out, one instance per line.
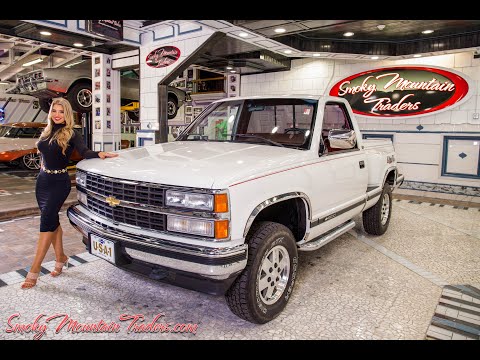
column 56, row 144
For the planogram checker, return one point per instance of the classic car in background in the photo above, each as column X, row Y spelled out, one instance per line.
column 17, row 145
column 75, row 84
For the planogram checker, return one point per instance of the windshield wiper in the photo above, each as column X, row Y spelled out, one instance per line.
column 260, row 138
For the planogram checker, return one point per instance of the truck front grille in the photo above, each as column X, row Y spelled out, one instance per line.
column 144, row 219
column 139, row 194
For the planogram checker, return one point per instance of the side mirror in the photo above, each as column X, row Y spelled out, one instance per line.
column 342, row 139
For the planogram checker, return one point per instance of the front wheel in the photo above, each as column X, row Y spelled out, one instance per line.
column 262, row 290
column 30, row 161
column 377, row 218
column 80, row 97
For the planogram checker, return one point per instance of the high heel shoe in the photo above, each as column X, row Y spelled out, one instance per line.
column 30, row 280
column 59, row 267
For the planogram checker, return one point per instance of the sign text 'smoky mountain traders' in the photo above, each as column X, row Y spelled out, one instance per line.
column 401, row 91
column 163, row 56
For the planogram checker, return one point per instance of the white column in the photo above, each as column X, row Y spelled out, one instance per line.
column 106, row 104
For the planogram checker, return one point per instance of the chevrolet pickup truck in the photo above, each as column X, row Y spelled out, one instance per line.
column 225, row 208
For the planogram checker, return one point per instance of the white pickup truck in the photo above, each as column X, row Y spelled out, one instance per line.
column 225, row 208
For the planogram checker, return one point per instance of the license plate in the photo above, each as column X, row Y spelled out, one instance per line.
column 102, row 248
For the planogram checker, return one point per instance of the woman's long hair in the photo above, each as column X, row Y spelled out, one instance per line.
column 63, row 135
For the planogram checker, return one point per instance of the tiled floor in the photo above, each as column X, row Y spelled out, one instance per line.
column 356, row 287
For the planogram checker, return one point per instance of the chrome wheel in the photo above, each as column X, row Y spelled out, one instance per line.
column 273, row 274
column 84, row 97
column 32, row 161
column 171, row 108
column 385, row 208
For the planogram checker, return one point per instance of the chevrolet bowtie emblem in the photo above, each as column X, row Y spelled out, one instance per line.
column 112, row 201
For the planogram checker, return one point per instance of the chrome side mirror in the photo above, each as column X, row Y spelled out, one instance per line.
column 342, row 139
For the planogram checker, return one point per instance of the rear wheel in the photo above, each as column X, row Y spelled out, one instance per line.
column 377, row 218
column 262, row 290
column 80, row 97
column 30, row 161
column 172, row 107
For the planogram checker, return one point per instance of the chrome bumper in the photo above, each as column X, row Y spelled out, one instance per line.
column 208, row 262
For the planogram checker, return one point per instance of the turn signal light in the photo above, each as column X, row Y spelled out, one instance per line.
column 221, row 229
column 221, row 203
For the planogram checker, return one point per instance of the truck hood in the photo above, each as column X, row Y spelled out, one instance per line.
column 195, row 164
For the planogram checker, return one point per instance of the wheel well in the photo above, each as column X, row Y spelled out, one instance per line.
column 391, row 178
column 290, row 213
column 83, row 81
column 173, row 95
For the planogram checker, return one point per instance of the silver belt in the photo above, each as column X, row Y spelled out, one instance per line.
column 61, row 171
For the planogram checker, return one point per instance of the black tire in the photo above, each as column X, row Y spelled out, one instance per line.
column 372, row 218
column 172, row 107
column 45, row 104
column 30, row 161
column 133, row 115
column 244, row 297
column 80, row 97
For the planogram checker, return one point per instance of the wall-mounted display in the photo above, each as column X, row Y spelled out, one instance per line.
column 188, row 119
column 97, row 111
column 108, row 85
column 98, row 124
column 163, row 56
column 97, row 98
column 97, row 85
column 188, row 110
column 97, row 60
column 403, row 91
column 108, row 111
column 108, row 72
column 197, row 110
column 97, row 72
column 108, row 98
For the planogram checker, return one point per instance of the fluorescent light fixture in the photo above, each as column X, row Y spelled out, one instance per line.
column 233, row 71
column 243, row 34
column 280, row 30
column 36, row 61
column 287, row 51
column 46, row 33
column 78, row 44
column 349, row 33
column 427, row 31
column 374, row 58
column 380, row 27
column 229, row 68
column 73, row 64
column 417, row 55
column 316, row 54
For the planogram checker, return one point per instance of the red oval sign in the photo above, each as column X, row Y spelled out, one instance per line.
column 163, row 56
column 401, row 91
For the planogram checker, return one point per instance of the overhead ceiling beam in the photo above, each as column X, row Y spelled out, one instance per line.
column 16, row 66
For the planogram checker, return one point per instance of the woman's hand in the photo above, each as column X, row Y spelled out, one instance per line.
column 104, row 155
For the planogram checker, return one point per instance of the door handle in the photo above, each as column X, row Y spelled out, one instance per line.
column 362, row 164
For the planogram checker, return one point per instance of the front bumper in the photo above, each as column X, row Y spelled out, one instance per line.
column 206, row 269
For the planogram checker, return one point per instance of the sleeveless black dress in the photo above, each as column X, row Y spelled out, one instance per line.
column 52, row 190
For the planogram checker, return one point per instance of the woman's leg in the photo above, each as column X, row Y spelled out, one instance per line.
column 57, row 242
column 44, row 241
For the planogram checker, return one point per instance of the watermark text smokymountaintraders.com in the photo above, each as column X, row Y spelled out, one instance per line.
column 63, row 322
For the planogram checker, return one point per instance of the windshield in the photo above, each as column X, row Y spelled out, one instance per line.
column 273, row 122
column 8, row 131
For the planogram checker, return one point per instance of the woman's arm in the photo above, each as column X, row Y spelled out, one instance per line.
column 85, row 152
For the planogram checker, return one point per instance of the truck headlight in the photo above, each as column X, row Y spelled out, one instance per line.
column 82, row 197
column 191, row 226
column 189, row 200
column 81, row 178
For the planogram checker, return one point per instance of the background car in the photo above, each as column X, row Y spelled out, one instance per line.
column 75, row 84
column 17, row 145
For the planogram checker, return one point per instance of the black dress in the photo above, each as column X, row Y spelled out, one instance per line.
column 52, row 190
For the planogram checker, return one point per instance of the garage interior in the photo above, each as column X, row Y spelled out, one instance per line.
column 419, row 281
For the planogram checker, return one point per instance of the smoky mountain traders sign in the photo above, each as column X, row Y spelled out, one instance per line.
column 163, row 56
column 402, row 91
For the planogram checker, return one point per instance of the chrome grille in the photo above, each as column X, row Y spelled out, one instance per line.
column 139, row 194
column 136, row 217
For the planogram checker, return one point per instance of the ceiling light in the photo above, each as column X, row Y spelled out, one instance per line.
column 229, row 68
column 427, row 31
column 287, row 51
column 374, row 58
column 36, row 61
column 380, row 27
column 73, row 64
column 349, row 34
column 243, row 34
column 46, row 33
column 280, row 30
column 316, row 54
column 417, row 55
column 233, row 71
column 78, row 44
